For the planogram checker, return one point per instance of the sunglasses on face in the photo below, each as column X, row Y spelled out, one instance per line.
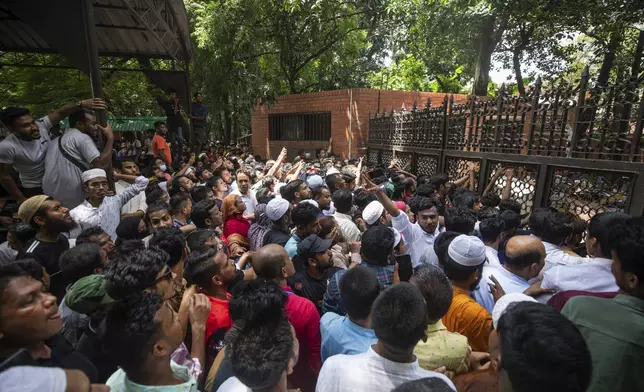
column 166, row 276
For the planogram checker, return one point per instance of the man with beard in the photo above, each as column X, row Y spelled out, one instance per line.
column 51, row 219
column 102, row 210
column 463, row 267
column 182, row 185
column 419, row 236
column 247, row 194
column 73, row 154
column 25, row 148
column 128, row 171
column 314, row 253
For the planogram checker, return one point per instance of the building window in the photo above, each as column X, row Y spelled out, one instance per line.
column 299, row 126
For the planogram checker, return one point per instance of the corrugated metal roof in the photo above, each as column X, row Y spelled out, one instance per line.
column 120, row 29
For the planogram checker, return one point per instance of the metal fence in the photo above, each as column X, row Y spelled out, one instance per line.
column 578, row 149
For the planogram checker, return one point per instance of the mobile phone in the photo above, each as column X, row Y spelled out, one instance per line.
column 404, row 267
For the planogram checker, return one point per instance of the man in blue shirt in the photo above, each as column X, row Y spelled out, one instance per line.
column 351, row 334
column 306, row 218
column 198, row 115
column 376, row 250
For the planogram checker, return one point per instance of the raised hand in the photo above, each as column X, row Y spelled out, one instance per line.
column 93, row 104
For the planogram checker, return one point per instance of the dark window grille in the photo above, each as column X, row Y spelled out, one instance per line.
column 300, row 126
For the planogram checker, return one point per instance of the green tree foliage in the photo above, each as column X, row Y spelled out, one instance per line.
column 43, row 90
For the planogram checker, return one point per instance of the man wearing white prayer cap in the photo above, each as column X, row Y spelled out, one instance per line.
column 102, row 210
column 463, row 267
column 374, row 213
column 278, row 210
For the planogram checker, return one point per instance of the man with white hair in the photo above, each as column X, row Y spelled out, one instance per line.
column 102, row 210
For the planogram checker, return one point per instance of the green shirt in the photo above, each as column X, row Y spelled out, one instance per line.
column 119, row 382
column 614, row 332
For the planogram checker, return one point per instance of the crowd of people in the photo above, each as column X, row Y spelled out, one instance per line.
column 221, row 271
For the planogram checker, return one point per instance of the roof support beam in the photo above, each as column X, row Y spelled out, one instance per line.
column 152, row 19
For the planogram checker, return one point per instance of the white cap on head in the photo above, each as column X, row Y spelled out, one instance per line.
column 331, row 170
column 372, row 212
column 314, row 181
column 310, row 201
column 502, row 305
column 93, row 173
column 276, row 208
column 467, row 250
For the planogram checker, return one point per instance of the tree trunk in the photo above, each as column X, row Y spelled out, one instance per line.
column 609, row 58
column 637, row 57
column 485, row 48
column 516, row 61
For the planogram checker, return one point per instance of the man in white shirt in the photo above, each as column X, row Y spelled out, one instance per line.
column 128, row 171
column 595, row 275
column 247, row 194
column 399, row 320
column 73, row 153
column 491, row 230
column 524, row 258
column 556, row 229
column 419, row 236
column 102, row 210
column 343, row 201
column 24, row 149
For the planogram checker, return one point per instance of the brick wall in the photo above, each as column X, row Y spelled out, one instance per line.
column 349, row 123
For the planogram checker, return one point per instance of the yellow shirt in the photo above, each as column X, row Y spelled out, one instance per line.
column 469, row 319
column 443, row 348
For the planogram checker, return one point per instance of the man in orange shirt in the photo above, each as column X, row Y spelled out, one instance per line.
column 160, row 147
column 463, row 266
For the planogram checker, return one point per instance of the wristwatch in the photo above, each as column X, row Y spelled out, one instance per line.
column 79, row 104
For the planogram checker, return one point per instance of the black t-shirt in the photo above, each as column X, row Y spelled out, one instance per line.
column 48, row 254
column 63, row 356
column 306, row 286
column 274, row 236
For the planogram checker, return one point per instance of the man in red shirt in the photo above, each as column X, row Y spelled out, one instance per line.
column 212, row 271
column 160, row 147
column 271, row 262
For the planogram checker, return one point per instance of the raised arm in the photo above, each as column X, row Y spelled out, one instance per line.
column 105, row 159
column 278, row 163
column 330, row 148
column 90, row 104
column 139, row 186
column 507, row 190
column 359, row 175
column 386, row 202
column 492, row 183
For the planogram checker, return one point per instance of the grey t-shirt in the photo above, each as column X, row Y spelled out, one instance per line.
column 27, row 157
column 62, row 178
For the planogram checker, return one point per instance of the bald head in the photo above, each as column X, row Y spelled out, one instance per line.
column 269, row 261
column 522, row 251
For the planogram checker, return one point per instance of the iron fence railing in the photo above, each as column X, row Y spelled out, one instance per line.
column 577, row 149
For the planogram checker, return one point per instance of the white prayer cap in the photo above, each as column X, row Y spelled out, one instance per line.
column 310, row 201
column 315, row 181
column 276, row 208
column 331, row 170
column 502, row 305
column 372, row 212
column 93, row 173
column 467, row 250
